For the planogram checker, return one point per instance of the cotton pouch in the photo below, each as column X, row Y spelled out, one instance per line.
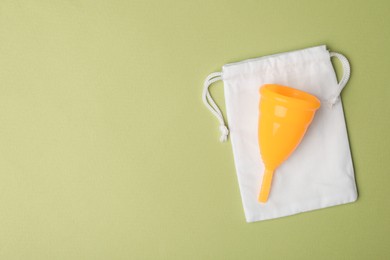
column 319, row 173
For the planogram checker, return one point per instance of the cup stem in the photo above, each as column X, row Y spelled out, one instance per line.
column 266, row 185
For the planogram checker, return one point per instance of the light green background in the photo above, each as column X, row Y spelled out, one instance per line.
column 107, row 152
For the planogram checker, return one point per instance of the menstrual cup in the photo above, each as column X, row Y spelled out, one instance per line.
column 285, row 115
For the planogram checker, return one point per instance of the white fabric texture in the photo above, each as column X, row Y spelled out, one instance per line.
column 319, row 173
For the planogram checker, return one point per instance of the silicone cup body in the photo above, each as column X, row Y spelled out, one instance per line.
column 285, row 114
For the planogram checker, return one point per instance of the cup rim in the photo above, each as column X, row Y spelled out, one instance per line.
column 290, row 94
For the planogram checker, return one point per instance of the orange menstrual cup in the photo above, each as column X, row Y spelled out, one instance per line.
column 285, row 115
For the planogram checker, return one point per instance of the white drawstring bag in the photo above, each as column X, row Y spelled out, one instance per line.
column 319, row 173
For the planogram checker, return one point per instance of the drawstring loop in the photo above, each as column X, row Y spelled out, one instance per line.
column 344, row 80
column 212, row 106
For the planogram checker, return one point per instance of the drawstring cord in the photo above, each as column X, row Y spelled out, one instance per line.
column 216, row 76
column 346, row 74
column 212, row 106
